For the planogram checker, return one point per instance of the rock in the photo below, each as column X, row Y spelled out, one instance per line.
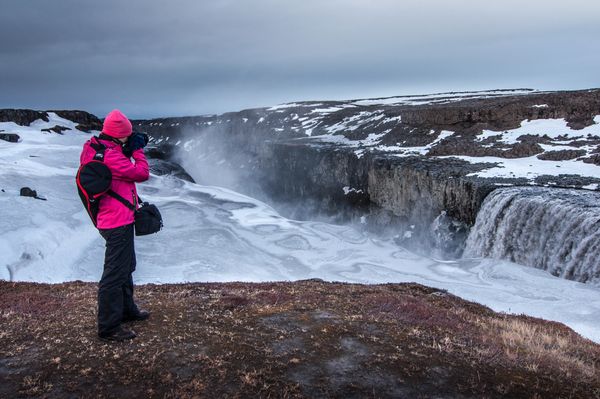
column 22, row 117
column 162, row 167
column 595, row 159
column 86, row 121
column 561, row 155
column 27, row 192
column 56, row 129
column 10, row 137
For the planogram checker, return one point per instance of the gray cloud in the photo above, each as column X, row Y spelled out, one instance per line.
column 157, row 58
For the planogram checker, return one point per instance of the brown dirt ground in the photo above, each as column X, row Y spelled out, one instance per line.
column 286, row 340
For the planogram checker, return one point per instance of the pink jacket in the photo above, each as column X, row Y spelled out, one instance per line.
column 125, row 174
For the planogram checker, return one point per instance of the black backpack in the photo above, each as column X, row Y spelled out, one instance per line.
column 93, row 180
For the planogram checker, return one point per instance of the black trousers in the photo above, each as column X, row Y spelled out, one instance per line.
column 115, row 291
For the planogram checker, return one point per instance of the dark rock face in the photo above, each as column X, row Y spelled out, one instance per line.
column 318, row 174
column 419, row 190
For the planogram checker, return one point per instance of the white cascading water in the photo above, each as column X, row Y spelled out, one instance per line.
column 557, row 230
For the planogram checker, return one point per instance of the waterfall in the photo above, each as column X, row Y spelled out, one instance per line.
column 557, row 230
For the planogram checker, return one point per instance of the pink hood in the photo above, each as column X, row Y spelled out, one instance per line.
column 125, row 174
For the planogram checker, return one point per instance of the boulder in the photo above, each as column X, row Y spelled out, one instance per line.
column 28, row 192
column 56, row 129
column 10, row 137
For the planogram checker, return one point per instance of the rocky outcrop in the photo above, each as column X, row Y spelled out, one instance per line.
column 56, row 129
column 24, row 117
column 419, row 190
column 161, row 167
column 502, row 113
column 86, row 121
column 10, row 137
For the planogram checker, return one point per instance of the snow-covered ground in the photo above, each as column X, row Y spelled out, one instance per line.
column 214, row 234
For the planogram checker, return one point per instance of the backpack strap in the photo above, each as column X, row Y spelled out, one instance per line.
column 121, row 199
column 100, row 149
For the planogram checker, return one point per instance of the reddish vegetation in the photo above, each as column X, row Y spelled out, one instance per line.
column 302, row 339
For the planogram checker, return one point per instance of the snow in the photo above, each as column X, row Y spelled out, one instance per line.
column 553, row 128
column 439, row 97
column 328, row 110
column 291, row 105
column 355, row 121
column 402, row 151
column 531, row 167
column 214, row 234
column 348, row 190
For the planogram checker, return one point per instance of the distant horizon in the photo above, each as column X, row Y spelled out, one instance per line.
column 412, row 94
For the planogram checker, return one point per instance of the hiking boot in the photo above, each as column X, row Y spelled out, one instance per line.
column 139, row 316
column 119, row 335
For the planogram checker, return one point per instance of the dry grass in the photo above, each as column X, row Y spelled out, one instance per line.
column 544, row 345
column 291, row 340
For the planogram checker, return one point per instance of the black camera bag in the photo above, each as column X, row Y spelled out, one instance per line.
column 148, row 219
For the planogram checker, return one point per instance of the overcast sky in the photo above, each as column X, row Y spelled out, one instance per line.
column 189, row 57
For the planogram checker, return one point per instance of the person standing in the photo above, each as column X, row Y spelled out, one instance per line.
column 115, row 222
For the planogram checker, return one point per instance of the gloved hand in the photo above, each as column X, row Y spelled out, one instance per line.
column 137, row 141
